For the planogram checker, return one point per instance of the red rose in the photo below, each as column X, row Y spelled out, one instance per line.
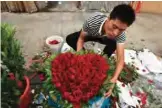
column 76, row 100
column 53, row 42
column 55, row 79
column 90, row 94
column 72, row 77
column 84, row 82
column 143, row 70
column 131, row 94
column 72, row 71
column 77, row 93
column 20, row 84
column 66, row 95
column 66, row 79
column 11, row 76
column 71, row 98
column 58, row 85
column 73, row 86
column 123, row 85
column 85, row 98
column 63, row 89
column 143, row 97
column 137, row 68
column 41, row 76
column 138, row 93
column 94, row 90
column 53, row 70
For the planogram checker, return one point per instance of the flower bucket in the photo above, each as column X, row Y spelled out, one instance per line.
column 55, row 43
column 25, row 98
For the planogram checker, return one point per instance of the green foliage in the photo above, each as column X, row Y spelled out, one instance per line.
column 11, row 53
column 12, row 61
column 10, row 93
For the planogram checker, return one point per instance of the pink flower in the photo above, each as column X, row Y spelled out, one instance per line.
column 131, row 94
column 41, row 76
column 150, row 81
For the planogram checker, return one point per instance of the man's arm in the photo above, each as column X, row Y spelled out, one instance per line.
column 119, row 66
column 120, row 61
column 81, row 40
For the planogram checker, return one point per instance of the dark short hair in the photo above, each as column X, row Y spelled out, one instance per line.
column 124, row 13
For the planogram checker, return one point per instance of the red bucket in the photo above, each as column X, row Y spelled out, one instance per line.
column 25, row 98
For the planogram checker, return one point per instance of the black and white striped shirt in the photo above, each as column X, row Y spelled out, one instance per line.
column 93, row 27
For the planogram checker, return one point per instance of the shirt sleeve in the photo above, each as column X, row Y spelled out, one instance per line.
column 121, row 38
column 85, row 26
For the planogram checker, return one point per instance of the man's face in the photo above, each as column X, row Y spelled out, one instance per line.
column 114, row 27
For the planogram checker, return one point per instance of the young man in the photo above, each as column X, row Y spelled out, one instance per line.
column 106, row 30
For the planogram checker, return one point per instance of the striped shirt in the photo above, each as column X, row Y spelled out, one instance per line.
column 93, row 27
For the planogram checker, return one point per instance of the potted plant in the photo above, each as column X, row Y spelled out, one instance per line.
column 15, row 85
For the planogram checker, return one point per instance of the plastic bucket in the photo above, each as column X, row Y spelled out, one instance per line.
column 55, row 48
column 25, row 98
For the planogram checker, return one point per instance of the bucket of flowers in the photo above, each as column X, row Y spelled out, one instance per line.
column 55, row 43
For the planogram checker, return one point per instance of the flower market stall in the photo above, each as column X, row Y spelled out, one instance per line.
column 70, row 79
column 64, row 87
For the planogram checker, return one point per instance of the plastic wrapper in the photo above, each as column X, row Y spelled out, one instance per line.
column 99, row 102
column 146, row 90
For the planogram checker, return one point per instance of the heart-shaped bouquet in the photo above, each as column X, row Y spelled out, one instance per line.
column 78, row 77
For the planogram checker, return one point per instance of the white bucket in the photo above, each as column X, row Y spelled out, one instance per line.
column 55, row 48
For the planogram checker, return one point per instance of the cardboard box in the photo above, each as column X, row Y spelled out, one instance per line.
column 151, row 7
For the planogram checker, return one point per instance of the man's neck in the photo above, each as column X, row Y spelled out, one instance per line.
column 103, row 29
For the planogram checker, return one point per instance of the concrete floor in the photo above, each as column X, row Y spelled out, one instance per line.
column 33, row 29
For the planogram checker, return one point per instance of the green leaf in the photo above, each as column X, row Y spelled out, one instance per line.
column 17, row 92
column 70, row 106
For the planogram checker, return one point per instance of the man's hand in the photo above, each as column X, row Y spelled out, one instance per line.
column 107, row 94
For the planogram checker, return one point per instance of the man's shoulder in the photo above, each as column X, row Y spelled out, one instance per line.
column 96, row 17
column 93, row 23
column 98, row 14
